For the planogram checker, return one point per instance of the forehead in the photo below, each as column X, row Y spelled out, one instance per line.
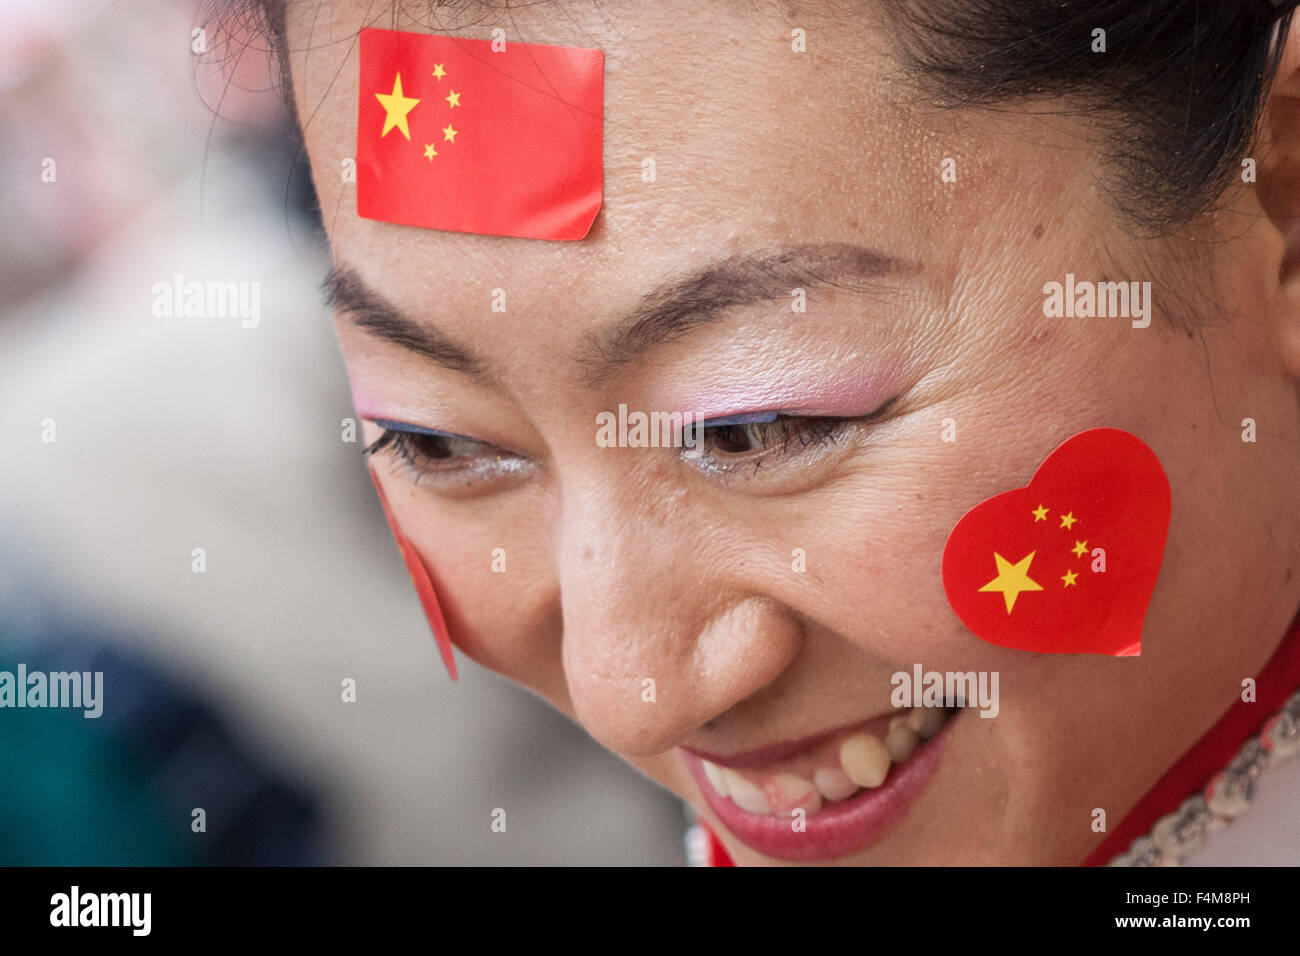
column 753, row 144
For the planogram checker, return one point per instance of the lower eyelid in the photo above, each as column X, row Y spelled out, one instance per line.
column 485, row 458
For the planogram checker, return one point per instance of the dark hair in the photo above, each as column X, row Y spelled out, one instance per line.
column 1176, row 97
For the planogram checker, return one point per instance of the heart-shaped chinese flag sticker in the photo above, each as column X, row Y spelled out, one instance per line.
column 420, row 578
column 1067, row 564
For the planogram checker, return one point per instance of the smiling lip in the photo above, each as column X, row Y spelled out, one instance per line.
column 837, row 830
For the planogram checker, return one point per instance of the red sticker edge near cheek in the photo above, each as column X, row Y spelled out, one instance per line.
column 420, row 578
column 1068, row 563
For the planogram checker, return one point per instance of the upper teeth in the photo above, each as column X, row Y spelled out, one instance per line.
column 833, row 783
column 901, row 740
column 747, row 796
column 717, row 778
column 864, row 761
column 786, row 791
column 926, row 721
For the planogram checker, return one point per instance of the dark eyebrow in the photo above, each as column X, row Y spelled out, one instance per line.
column 369, row 310
column 664, row 314
column 678, row 306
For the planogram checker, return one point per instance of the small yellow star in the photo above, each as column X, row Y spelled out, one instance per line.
column 1080, row 547
column 1040, row 513
column 453, row 99
column 439, row 72
column 1012, row 579
column 1068, row 577
column 1068, row 519
column 448, row 133
column 429, row 152
column 396, row 106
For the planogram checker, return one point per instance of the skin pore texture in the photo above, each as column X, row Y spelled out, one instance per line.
column 631, row 563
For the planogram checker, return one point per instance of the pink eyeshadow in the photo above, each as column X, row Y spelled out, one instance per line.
column 845, row 398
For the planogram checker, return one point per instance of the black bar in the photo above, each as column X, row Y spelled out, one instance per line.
column 208, row 905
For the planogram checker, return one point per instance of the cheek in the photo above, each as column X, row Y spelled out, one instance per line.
column 873, row 565
column 495, row 581
column 877, row 573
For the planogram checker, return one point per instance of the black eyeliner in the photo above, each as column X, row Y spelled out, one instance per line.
column 389, row 425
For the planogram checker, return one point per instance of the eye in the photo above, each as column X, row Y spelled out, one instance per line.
column 772, row 432
column 768, row 442
column 428, row 453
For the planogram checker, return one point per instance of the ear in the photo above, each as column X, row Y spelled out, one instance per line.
column 1278, row 188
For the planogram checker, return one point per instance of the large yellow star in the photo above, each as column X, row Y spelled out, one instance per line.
column 396, row 106
column 1012, row 579
column 453, row 98
column 439, row 72
column 448, row 133
column 1068, row 520
column 1040, row 513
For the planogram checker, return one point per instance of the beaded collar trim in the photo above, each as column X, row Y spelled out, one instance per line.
column 1182, row 833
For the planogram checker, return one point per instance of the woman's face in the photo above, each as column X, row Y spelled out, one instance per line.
column 770, row 587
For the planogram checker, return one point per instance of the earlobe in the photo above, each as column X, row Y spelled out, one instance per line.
column 1289, row 325
column 1278, row 189
column 1278, row 175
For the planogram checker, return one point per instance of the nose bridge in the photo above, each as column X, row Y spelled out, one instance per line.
column 616, row 569
column 632, row 604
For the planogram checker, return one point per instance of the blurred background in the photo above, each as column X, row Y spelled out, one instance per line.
column 134, row 150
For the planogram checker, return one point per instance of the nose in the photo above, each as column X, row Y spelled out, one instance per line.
column 663, row 630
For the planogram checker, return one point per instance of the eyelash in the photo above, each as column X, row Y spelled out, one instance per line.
column 809, row 432
column 406, row 447
column 772, row 439
column 400, row 442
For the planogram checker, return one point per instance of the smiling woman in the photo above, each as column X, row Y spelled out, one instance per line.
column 827, row 231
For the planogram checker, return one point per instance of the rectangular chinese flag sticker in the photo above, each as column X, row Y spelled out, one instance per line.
column 452, row 135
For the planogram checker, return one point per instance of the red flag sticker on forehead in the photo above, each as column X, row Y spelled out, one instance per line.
column 491, row 137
